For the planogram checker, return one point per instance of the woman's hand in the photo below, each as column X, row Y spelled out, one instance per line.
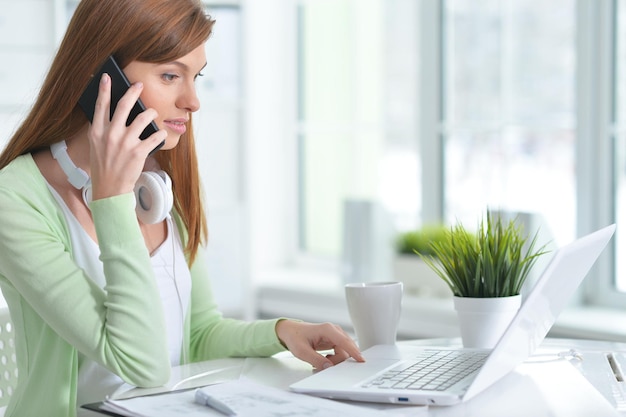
column 305, row 339
column 117, row 155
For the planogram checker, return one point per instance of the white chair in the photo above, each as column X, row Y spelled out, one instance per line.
column 8, row 362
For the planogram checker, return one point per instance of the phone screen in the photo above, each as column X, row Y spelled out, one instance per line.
column 119, row 86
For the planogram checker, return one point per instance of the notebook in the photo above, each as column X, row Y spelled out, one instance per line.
column 379, row 379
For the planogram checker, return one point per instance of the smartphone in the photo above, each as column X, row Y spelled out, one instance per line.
column 119, row 86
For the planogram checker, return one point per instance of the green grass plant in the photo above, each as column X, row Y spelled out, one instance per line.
column 414, row 242
column 493, row 262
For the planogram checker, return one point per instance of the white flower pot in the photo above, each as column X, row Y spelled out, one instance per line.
column 483, row 320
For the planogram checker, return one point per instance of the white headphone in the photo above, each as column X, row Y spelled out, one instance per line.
column 153, row 191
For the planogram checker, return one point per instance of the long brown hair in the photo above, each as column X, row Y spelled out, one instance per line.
column 156, row 31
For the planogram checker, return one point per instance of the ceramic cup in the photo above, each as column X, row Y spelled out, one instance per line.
column 374, row 309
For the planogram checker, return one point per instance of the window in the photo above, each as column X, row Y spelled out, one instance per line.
column 507, row 119
column 509, row 110
column 356, row 128
column 440, row 109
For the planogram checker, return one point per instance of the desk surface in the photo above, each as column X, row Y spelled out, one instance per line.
column 540, row 387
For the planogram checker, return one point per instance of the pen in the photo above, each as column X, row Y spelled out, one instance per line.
column 203, row 398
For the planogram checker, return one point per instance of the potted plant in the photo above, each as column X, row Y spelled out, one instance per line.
column 485, row 272
column 418, row 278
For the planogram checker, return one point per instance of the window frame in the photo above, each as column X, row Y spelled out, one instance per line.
column 596, row 87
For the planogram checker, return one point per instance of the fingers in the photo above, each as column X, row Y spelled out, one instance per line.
column 350, row 347
column 140, row 122
column 344, row 346
column 117, row 124
column 103, row 102
column 117, row 155
column 123, row 110
column 154, row 140
column 317, row 360
column 340, row 355
column 305, row 339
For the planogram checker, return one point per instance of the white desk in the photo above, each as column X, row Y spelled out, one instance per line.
column 521, row 393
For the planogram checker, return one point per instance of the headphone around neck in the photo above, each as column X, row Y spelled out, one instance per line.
column 153, row 190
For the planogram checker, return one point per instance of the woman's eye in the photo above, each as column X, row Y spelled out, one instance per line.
column 198, row 75
column 169, row 77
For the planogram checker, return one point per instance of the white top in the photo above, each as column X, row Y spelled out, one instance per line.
column 95, row 382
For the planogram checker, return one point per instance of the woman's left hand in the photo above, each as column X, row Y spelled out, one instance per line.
column 305, row 339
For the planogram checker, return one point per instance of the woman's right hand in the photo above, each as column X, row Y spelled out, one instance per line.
column 117, row 154
column 305, row 339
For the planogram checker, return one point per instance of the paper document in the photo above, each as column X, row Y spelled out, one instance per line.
column 245, row 398
column 192, row 375
column 162, row 405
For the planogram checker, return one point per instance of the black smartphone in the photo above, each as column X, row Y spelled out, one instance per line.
column 119, row 86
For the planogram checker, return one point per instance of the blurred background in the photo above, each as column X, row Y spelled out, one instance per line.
column 330, row 127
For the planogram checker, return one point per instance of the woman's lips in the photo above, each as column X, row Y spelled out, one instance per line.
column 177, row 125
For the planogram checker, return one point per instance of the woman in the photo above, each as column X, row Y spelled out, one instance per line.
column 97, row 295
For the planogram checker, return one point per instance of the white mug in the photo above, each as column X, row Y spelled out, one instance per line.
column 374, row 309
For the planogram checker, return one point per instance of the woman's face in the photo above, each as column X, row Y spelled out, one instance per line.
column 170, row 89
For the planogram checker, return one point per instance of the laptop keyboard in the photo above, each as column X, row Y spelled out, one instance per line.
column 433, row 370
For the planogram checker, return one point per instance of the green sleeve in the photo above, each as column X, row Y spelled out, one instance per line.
column 122, row 326
column 213, row 336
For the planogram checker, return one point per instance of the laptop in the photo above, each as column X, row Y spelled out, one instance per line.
column 380, row 378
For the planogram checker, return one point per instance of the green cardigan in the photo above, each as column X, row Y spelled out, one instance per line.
column 58, row 311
